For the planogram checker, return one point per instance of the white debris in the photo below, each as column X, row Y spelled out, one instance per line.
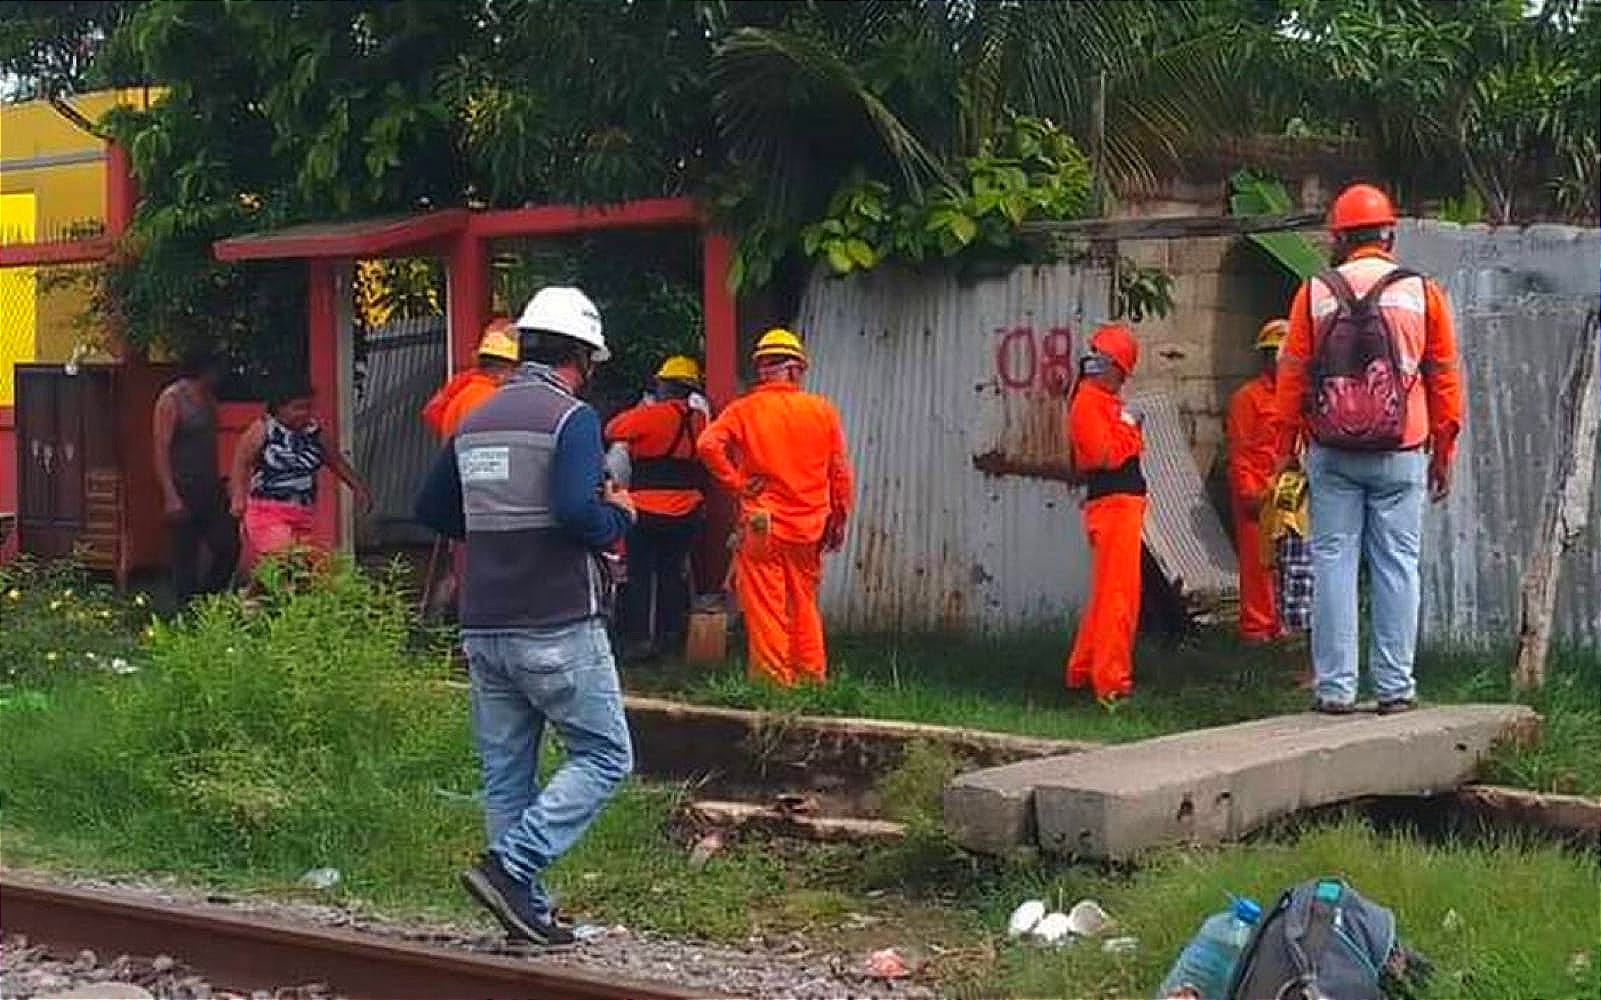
column 1025, row 918
column 1053, row 929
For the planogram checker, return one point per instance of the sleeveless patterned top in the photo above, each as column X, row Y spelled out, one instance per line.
column 288, row 466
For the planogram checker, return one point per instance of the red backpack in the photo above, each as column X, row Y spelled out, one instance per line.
column 1357, row 391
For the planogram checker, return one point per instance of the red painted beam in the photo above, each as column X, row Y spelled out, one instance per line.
column 58, row 252
column 717, row 305
column 467, row 295
column 375, row 238
column 555, row 220
column 323, row 348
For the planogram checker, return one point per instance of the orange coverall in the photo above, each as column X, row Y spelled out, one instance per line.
column 653, row 430
column 1102, row 439
column 460, row 396
column 782, row 452
column 1252, row 435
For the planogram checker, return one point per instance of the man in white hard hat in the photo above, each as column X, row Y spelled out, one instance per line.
column 524, row 483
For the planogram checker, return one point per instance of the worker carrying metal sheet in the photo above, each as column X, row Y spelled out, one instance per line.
column 667, row 482
column 781, row 451
column 1252, row 437
column 1105, row 444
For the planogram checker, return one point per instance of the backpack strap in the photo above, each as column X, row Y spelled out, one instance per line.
column 1337, row 283
column 1389, row 278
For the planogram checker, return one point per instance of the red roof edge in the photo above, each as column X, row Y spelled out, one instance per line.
column 370, row 238
column 553, row 220
column 55, row 252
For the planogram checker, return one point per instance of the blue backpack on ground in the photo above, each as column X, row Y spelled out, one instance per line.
column 1324, row 940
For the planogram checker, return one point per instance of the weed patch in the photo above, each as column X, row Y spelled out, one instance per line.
column 57, row 623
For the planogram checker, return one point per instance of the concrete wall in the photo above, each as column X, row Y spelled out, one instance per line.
column 1224, row 288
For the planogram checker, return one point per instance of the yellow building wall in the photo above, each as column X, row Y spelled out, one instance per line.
column 17, row 293
column 65, row 197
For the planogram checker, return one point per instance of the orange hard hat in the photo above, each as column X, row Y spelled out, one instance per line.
column 1361, row 206
column 1117, row 342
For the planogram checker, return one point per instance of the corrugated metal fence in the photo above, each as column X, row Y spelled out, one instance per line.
column 938, row 379
column 404, row 365
column 930, row 374
column 1521, row 297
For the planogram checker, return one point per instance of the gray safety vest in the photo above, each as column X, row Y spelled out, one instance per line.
column 523, row 570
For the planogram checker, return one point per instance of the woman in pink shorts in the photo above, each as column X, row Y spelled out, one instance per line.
column 274, row 480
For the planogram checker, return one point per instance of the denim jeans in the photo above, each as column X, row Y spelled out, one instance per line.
column 520, row 681
column 1365, row 505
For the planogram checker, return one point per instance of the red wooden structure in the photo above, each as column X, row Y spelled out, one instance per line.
column 462, row 238
column 121, row 198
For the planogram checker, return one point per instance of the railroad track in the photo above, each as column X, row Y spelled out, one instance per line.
column 248, row 953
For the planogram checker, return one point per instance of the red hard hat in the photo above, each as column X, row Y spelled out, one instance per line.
column 1117, row 342
column 1361, row 206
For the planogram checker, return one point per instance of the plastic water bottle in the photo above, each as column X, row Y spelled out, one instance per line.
column 1206, row 965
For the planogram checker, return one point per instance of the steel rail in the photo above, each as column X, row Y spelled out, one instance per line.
column 249, row 953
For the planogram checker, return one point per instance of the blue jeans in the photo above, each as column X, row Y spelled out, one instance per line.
column 521, row 680
column 1365, row 504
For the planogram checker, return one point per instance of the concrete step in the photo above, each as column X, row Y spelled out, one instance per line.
column 1212, row 785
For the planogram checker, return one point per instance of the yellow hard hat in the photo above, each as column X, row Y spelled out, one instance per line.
column 499, row 341
column 780, row 343
column 1271, row 336
column 679, row 368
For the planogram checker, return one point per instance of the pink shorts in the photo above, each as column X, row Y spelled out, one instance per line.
column 273, row 526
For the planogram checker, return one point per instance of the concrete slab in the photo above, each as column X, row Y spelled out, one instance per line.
column 992, row 810
column 1218, row 784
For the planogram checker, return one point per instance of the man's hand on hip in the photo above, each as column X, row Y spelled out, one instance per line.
column 619, row 498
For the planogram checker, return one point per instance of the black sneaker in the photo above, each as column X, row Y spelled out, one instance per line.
column 512, row 903
column 1322, row 707
column 1397, row 706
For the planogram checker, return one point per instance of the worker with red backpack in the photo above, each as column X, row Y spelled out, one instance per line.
column 1369, row 375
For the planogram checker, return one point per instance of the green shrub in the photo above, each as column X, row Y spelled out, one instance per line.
column 276, row 734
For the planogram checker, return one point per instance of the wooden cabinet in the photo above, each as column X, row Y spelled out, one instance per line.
column 85, row 480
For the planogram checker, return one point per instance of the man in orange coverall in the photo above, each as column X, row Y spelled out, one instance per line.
column 1105, row 442
column 1252, row 439
column 497, row 359
column 782, row 452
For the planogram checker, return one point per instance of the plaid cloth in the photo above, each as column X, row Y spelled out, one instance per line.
column 1293, row 563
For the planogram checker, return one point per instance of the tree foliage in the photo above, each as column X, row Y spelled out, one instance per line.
column 49, row 48
column 850, row 131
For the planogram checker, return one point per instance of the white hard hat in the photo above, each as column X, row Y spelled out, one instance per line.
column 566, row 312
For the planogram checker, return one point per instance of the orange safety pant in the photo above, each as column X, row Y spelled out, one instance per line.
column 1103, row 651
column 1259, row 615
column 776, row 582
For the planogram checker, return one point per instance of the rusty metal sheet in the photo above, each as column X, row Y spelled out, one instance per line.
column 951, row 395
column 1183, row 532
column 930, row 375
column 1520, row 298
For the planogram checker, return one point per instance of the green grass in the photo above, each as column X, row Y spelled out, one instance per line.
column 318, row 731
column 1523, row 920
column 1014, row 684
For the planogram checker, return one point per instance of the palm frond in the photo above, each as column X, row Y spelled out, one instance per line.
column 770, row 84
